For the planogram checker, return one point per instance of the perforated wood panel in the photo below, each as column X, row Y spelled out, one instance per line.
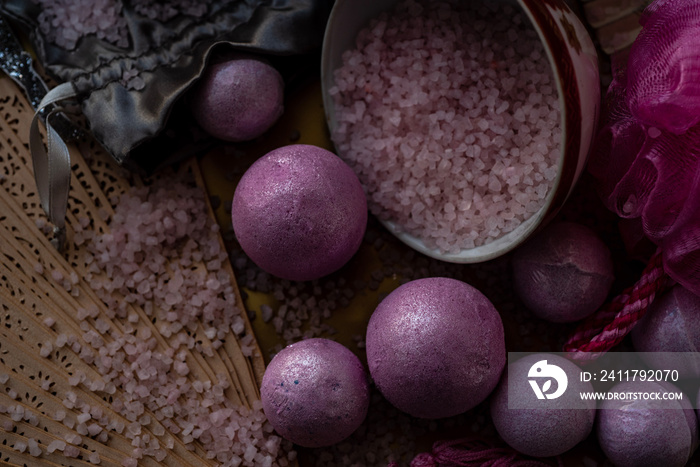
column 53, row 323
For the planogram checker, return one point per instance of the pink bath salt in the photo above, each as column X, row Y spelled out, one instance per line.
column 448, row 111
column 545, row 427
column 299, row 212
column 564, row 273
column 435, row 347
column 238, row 99
column 671, row 324
column 315, row 393
column 647, row 431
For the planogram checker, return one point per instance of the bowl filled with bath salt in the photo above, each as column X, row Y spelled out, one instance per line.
column 467, row 122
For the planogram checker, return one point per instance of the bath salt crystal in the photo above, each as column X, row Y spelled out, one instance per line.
column 46, row 349
column 94, row 458
column 34, row 449
column 56, row 445
column 156, row 384
column 266, row 313
column 494, row 98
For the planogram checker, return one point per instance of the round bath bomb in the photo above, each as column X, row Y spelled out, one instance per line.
column 435, row 347
column 564, row 273
column 671, row 324
column 315, row 393
column 299, row 212
column 238, row 99
column 546, row 426
column 645, row 431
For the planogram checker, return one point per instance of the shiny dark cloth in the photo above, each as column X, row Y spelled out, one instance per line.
column 149, row 127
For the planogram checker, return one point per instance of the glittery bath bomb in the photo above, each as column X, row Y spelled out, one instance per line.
column 315, row 393
column 299, row 212
column 647, row 432
column 435, row 347
column 238, row 99
column 671, row 324
column 548, row 426
column 564, row 273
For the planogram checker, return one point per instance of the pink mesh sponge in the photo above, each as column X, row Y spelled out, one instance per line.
column 664, row 68
column 647, row 153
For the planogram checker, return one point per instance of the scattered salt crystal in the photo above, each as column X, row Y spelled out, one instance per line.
column 94, row 429
column 71, row 451
column 266, row 312
column 56, row 445
column 94, row 458
column 46, row 349
column 72, row 438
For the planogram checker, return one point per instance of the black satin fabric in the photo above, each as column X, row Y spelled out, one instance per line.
column 149, row 127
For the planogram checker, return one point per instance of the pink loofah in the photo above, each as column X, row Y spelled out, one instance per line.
column 647, row 154
column 664, row 75
column 646, row 160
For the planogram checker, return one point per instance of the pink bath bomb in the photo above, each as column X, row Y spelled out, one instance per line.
column 544, row 427
column 238, row 99
column 564, row 273
column 671, row 324
column 299, row 212
column 315, row 393
column 647, row 432
column 435, row 347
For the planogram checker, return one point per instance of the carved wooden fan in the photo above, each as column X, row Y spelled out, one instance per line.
column 101, row 363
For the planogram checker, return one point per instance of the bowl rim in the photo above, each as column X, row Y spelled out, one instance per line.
column 525, row 229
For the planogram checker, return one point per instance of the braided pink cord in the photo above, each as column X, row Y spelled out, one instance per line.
column 608, row 327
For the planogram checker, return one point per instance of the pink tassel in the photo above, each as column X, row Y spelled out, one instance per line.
column 474, row 452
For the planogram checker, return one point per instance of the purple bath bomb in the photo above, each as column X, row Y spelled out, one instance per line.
column 238, row 99
column 543, row 427
column 315, row 393
column 647, row 432
column 671, row 324
column 564, row 273
column 299, row 212
column 435, row 347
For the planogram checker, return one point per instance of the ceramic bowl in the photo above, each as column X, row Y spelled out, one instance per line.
column 574, row 62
